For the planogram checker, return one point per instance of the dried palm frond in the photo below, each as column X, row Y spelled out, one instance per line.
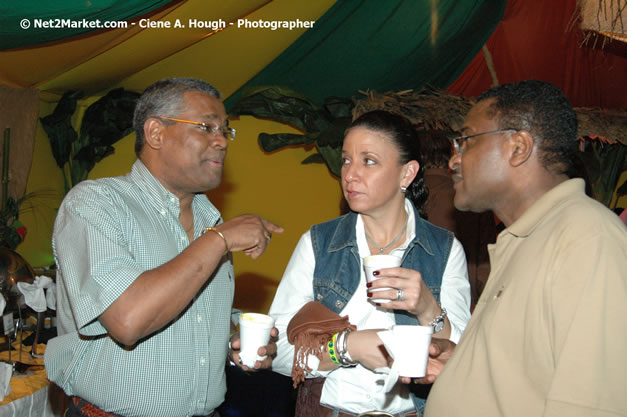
column 428, row 108
column 604, row 17
column 437, row 110
column 609, row 124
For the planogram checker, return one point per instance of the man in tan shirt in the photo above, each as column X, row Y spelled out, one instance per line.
column 547, row 337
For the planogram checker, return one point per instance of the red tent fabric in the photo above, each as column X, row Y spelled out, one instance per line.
column 543, row 40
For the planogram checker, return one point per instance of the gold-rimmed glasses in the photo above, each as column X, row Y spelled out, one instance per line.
column 459, row 142
column 227, row 132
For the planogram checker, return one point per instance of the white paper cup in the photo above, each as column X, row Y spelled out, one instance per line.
column 254, row 332
column 374, row 263
column 411, row 350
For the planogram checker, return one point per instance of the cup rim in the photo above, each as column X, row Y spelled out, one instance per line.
column 257, row 318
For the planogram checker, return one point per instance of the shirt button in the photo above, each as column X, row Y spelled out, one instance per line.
column 163, row 212
column 202, row 361
column 199, row 318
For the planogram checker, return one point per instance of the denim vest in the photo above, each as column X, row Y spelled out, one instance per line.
column 337, row 271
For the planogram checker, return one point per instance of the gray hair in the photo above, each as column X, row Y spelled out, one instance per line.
column 165, row 98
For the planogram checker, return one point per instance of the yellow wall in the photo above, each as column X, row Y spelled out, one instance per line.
column 275, row 186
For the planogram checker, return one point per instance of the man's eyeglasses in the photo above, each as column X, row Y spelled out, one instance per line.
column 459, row 142
column 227, row 132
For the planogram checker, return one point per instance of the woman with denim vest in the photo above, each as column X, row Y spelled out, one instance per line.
column 382, row 182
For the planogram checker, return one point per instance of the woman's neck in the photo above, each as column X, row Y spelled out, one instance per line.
column 385, row 230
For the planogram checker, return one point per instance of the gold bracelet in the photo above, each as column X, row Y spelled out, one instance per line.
column 213, row 229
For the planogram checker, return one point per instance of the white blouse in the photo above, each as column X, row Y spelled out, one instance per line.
column 358, row 389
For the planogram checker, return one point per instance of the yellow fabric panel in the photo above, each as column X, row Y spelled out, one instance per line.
column 150, row 45
column 31, row 67
column 34, row 380
column 26, row 385
column 94, row 62
column 230, row 58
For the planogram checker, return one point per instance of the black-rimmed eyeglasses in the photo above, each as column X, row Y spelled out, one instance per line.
column 459, row 142
column 227, row 132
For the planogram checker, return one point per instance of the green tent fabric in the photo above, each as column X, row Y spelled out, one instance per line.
column 382, row 45
column 37, row 22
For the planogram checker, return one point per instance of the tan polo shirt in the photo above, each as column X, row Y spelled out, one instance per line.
column 549, row 335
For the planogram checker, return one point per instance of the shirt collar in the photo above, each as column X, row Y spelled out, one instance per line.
column 346, row 231
column 154, row 190
column 161, row 198
column 526, row 223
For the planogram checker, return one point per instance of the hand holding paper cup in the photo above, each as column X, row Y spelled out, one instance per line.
column 374, row 263
column 254, row 329
column 409, row 347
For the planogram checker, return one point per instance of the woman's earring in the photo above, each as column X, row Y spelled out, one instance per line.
column 403, row 189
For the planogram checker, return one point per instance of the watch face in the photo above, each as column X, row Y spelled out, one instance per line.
column 438, row 326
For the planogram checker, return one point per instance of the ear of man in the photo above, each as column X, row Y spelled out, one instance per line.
column 522, row 146
column 154, row 133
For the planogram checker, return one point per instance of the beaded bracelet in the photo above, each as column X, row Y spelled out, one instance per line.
column 332, row 349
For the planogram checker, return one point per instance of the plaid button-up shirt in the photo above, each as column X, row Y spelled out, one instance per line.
column 106, row 234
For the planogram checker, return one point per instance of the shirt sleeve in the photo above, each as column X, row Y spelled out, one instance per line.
column 94, row 261
column 294, row 291
column 455, row 292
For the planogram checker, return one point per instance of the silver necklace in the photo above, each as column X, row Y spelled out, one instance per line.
column 389, row 245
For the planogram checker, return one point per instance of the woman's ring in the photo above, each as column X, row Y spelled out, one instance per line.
column 400, row 296
column 268, row 235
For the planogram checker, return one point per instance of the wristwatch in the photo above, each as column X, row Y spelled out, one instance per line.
column 438, row 322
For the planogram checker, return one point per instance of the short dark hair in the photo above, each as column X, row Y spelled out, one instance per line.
column 435, row 148
column 544, row 111
column 165, row 98
column 403, row 135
